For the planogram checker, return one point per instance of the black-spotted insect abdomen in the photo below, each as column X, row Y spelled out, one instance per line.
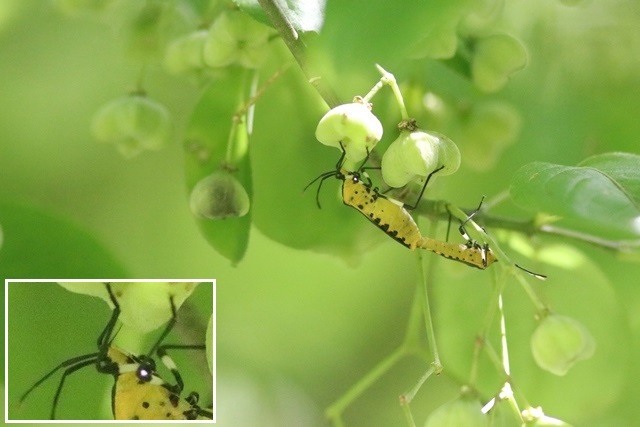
column 474, row 255
column 389, row 215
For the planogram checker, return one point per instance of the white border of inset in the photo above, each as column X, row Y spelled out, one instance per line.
column 6, row 353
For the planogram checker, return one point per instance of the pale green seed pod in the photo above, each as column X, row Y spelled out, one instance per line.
column 559, row 342
column 462, row 411
column 186, row 54
column 448, row 154
column 496, row 58
column 410, row 156
column 218, row 196
column 236, row 38
column 352, row 127
column 416, row 154
column 144, row 306
column 132, row 123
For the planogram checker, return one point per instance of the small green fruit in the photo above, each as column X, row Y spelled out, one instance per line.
column 411, row 155
column 236, row 38
column 144, row 306
column 559, row 342
column 352, row 127
column 132, row 123
column 218, row 196
column 416, row 154
column 496, row 58
column 489, row 128
column 460, row 412
column 186, row 53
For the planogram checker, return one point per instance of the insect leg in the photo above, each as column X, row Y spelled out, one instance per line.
column 68, row 371
column 170, row 364
column 536, row 275
column 322, row 177
column 471, row 215
column 168, row 328
column 88, row 358
column 424, row 187
column 104, row 340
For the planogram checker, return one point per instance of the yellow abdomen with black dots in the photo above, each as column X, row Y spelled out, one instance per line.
column 386, row 214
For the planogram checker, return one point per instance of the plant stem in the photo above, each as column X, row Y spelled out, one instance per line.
column 334, row 411
column 437, row 209
column 298, row 49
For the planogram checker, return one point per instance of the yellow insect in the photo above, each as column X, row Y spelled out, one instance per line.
column 138, row 392
column 394, row 219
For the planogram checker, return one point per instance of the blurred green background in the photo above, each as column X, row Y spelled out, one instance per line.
column 297, row 328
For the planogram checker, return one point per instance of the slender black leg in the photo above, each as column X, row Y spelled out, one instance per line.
column 167, row 329
column 424, row 187
column 169, row 363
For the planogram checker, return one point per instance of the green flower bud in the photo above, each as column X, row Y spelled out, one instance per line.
column 495, row 59
column 235, row 37
column 144, row 305
column 416, row 154
column 462, row 411
column 218, row 196
column 352, row 125
column 559, row 342
column 186, row 53
column 133, row 124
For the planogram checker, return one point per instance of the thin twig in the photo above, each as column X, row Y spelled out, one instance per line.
column 298, row 49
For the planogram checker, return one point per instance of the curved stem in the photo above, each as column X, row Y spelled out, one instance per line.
column 437, row 209
column 298, row 49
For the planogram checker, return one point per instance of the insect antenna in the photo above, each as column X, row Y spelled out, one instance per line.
column 536, row 275
column 462, row 229
column 326, row 175
column 322, row 177
column 72, row 364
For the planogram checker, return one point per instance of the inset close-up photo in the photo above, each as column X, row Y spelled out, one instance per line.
column 110, row 350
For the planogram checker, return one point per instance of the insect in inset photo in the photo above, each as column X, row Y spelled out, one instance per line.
column 138, row 392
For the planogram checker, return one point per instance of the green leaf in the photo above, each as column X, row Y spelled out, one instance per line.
column 286, row 157
column 38, row 245
column 303, row 15
column 354, row 30
column 601, row 195
column 623, row 168
column 206, row 141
